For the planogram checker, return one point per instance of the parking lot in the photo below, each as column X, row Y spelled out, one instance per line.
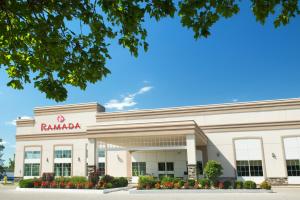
column 10, row 193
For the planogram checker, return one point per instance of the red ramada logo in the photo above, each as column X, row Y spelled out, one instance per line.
column 60, row 118
column 61, row 126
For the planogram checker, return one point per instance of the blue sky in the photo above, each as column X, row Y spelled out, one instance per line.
column 241, row 61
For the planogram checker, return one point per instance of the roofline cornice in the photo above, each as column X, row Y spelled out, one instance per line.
column 204, row 109
column 70, row 108
column 25, row 122
column 277, row 125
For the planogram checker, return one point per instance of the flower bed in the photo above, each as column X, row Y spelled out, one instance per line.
column 76, row 182
column 212, row 170
column 150, row 182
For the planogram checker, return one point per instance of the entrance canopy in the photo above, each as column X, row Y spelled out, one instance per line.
column 146, row 136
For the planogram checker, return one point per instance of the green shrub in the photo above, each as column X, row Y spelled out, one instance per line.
column 146, row 181
column 249, row 185
column 191, row 182
column 213, row 170
column 62, row 179
column 123, row 181
column 26, row 183
column 166, row 179
column 78, row 179
column 107, row 179
column 265, row 185
column 204, row 182
column 119, row 182
column 238, row 185
column 227, row 184
column 109, row 185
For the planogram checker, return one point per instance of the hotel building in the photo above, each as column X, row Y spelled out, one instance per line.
column 252, row 140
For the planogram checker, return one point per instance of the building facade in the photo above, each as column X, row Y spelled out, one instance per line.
column 252, row 140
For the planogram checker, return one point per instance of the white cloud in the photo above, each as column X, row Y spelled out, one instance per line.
column 144, row 90
column 13, row 122
column 128, row 100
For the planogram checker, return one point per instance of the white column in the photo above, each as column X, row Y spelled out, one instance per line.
column 92, row 152
column 191, row 149
column 191, row 156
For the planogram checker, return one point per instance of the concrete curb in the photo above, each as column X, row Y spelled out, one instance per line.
column 106, row 191
column 60, row 190
column 103, row 191
column 198, row 191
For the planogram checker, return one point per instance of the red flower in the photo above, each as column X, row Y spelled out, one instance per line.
column 44, row 184
column 70, row 185
column 168, row 185
column 89, row 185
column 53, row 184
column 36, row 184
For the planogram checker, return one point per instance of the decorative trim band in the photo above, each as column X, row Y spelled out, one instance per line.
column 251, row 126
column 53, row 136
column 25, row 122
column 189, row 126
column 204, row 110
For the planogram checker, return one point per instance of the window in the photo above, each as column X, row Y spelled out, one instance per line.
column 170, row 166
column 249, row 168
column 293, row 167
column 138, row 168
column 32, row 169
column 249, row 156
column 101, row 153
column 32, row 154
column 62, row 169
column 165, row 166
column 161, row 166
column 63, row 154
column 199, row 168
column 101, row 167
column 292, row 151
column 256, row 168
column 242, row 168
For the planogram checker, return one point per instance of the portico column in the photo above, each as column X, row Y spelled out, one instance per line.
column 191, row 156
column 92, row 152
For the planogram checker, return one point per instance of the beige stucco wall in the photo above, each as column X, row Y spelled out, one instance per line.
column 117, row 163
column 272, row 143
column 78, row 151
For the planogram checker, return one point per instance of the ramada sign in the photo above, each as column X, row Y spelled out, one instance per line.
column 60, row 126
